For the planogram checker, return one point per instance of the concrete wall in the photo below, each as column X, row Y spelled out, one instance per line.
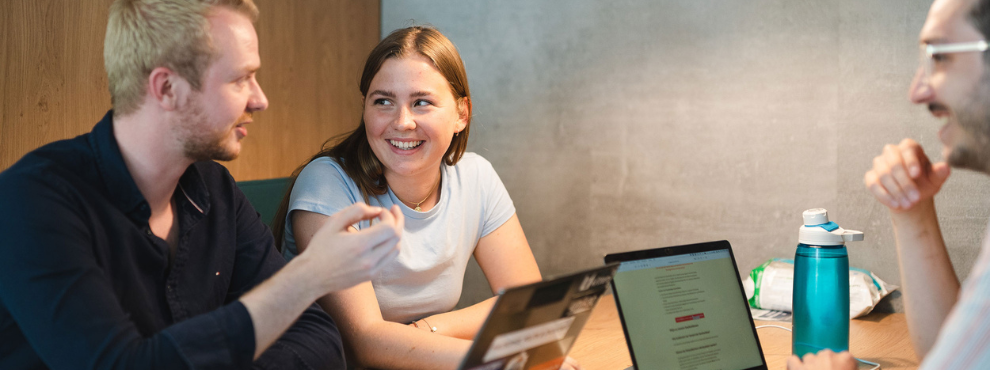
column 630, row 124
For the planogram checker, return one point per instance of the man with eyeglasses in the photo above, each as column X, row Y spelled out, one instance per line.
column 949, row 323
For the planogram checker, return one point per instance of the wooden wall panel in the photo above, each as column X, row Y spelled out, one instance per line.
column 312, row 54
column 53, row 86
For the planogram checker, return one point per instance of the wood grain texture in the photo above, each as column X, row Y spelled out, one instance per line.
column 312, row 54
column 53, row 85
column 878, row 337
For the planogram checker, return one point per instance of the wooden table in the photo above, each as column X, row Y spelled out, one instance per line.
column 878, row 337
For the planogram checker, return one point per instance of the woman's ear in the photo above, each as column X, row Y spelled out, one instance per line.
column 463, row 113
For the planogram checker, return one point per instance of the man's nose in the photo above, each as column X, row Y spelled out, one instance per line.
column 921, row 91
column 258, row 101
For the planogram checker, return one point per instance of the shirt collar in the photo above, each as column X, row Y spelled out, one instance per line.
column 120, row 185
column 192, row 188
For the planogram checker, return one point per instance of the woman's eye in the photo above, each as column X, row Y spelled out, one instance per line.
column 382, row 102
column 421, row 103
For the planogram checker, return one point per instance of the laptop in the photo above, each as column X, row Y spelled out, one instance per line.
column 683, row 307
column 533, row 327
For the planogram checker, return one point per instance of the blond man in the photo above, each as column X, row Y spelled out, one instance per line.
column 129, row 247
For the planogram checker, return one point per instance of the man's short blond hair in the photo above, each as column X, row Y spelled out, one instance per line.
column 146, row 34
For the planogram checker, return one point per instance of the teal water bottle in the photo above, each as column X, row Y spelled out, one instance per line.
column 821, row 285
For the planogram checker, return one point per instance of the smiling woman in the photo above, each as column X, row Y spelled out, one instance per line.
column 410, row 151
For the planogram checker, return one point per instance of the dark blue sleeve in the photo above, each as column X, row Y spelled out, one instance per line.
column 66, row 307
column 313, row 341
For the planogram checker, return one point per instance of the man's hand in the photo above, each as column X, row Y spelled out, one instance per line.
column 824, row 360
column 335, row 259
column 903, row 176
column 347, row 258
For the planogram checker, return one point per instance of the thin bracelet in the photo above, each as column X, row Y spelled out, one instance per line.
column 433, row 329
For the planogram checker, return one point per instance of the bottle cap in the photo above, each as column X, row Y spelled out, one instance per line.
column 815, row 216
column 818, row 230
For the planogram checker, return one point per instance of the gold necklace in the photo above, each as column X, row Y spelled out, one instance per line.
column 417, row 209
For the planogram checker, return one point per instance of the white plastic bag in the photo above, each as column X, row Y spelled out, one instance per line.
column 771, row 286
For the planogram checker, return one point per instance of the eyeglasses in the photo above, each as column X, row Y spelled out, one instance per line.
column 930, row 51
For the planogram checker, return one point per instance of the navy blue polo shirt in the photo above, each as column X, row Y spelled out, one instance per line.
column 84, row 283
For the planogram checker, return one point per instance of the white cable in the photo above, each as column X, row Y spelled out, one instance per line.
column 875, row 365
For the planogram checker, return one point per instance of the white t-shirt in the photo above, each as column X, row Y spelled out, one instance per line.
column 427, row 276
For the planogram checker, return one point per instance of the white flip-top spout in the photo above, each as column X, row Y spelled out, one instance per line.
column 852, row 235
column 818, row 230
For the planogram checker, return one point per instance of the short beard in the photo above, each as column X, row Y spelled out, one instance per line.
column 974, row 120
column 199, row 144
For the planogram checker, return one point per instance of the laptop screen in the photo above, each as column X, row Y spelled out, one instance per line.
column 686, row 311
column 534, row 326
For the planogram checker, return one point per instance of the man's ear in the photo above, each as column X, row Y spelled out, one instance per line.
column 167, row 88
column 463, row 113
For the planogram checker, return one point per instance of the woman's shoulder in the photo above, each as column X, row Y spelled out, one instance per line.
column 325, row 163
column 324, row 172
column 322, row 168
column 473, row 162
column 475, row 169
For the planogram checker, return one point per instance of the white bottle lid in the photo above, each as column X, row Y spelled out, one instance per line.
column 815, row 216
column 817, row 230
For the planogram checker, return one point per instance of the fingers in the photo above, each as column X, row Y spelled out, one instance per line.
column 381, row 241
column 872, row 181
column 387, row 217
column 381, row 254
column 794, row 363
column 388, row 230
column 903, row 175
column 915, row 160
column 400, row 220
column 898, row 182
column 883, row 185
column 825, row 359
column 352, row 214
column 940, row 173
column 845, row 360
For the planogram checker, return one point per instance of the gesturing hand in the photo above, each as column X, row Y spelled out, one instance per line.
column 347, row 258
column 903, row 176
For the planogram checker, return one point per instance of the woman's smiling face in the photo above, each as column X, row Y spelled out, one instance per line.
column 410, row 116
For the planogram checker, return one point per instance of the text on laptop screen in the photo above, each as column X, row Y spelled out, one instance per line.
column 686, row 312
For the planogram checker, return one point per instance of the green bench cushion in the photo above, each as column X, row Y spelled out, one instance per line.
column 265, row 195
